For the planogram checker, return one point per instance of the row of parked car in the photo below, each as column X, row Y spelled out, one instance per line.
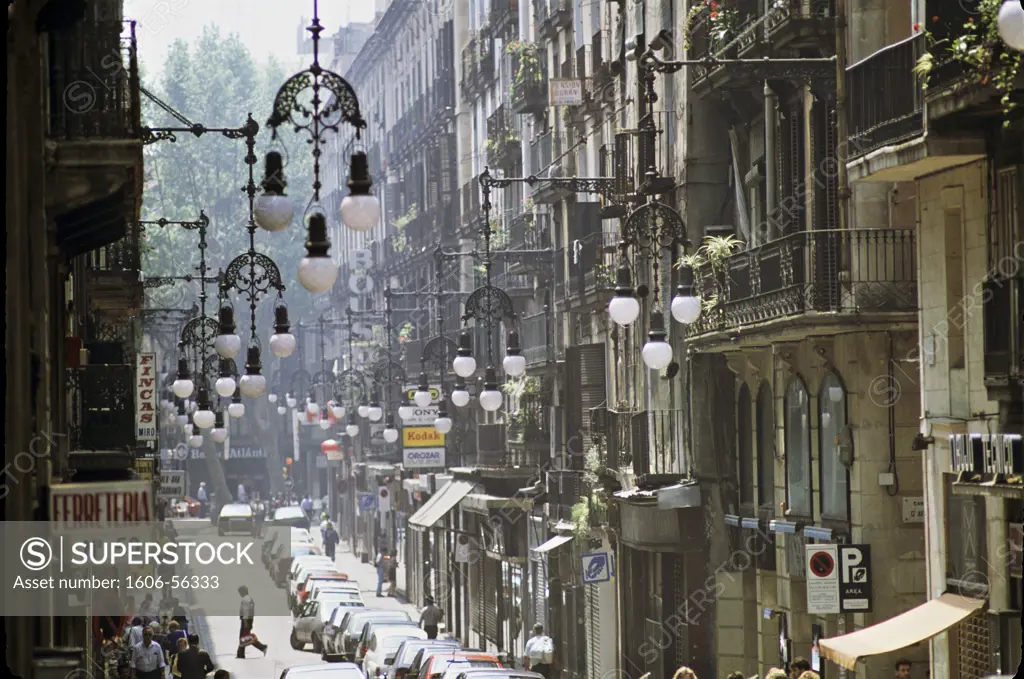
column 359, row 642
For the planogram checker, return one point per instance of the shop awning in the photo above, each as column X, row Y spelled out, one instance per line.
column 556, row 541
column 441, row 503
column 916, row 625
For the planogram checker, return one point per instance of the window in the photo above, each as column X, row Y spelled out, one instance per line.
column 831, row 425
column 798, row 449
column 765, row 448
column 745, row 447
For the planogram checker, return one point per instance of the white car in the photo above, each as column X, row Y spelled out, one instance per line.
column 345, row 670
column 380, row 652
column 302, row 574
column 301, row 535
column 318, row 586
column 308, row 626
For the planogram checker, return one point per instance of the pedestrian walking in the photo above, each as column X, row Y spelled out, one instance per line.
column 241, row 494
column 180, row 647
column 204, row 500
column 331, row 540
column 194, row 662
column 175, row 635
column 902, row 668
column 430, row 617
column 776, row 673
column 147, row 658
column 307, row 507
column 221, row 674
column 381, row 563
column 811, row 674
column 540, row 652
column 684, row 673
column 393, row 576
column 247, row 613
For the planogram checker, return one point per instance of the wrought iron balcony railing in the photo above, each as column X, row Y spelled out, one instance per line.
column 592, row 269
column 503, row 13
column 853, row 271
column 101, row 403
column 94, row 81
column 530, row 425
column 123, row 256
column 528, row 231
column 885, row 97
column 550, row 15
column 565, row 487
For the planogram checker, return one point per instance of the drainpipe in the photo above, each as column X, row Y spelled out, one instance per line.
column 841, row 119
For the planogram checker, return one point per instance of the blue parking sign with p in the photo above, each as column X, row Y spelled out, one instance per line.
column 367, row 501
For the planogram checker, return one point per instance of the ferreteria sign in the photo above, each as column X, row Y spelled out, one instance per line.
column 101, row 506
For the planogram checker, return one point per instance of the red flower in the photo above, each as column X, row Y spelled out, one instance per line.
column 970, row 20
column 917, row 27
column 712, row 4
column 714, row 15
column 935, row 19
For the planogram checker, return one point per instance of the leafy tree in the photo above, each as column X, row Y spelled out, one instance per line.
column 216, row 82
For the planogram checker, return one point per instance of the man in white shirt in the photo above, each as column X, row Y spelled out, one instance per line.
column 241, row 493
column 147, row 658
column 539, row 653
column 247, row 612
column 204, row 500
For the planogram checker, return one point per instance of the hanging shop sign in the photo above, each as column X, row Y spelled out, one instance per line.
column 423, row 458
column 145, row 397
column 855, row 578
column 565, row 92
column 596, row 567
column 172, row 484
column 360, row 260
column 822, row 579
column 420, row 417
column 995, row 454
column 367, row 502
column 145, row 467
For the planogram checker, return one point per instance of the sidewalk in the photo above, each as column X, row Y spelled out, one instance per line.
column 366, row 574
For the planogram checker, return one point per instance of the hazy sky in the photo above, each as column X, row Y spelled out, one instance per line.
column 267, row 27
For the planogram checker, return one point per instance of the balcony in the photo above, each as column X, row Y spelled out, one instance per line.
column 551, row 157
column 94, row 136
column 469, row 69
column 625, row 441
column 802, row 25
column 113, row 276
column 485, row 63
column 565, row 487
column 551, row 16
column 528, row 93
column 504, row 15
column 101, row 402
column 529, row 427
column 504, row 144
column 536, row 336
column 494, row 450
column 1004, row 336
column 516, row 285
column 470, row 203
column 895, row 129
column 828, row 278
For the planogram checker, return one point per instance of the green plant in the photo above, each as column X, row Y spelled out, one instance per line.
column 405, row 333
column 499, row 237
column 527, row 70
column 585, row 514
column 399, row 240
column 605, row 274
column 519, row 386
column 722, row 23
column 716, row 249
column 987, row 60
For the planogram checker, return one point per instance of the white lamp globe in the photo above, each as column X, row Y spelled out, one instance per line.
column 464, row 366
column 443, row 425
column 317, row 274
column 236, row 410
column 460, row 397
column 325, row 424
column 282, row 345
column 422, row 398
column 686, row 309
column 312, row 408
column 195, row 440
column 352, row 430
column 514, row 365
column 227, row 346
column 624, row 310
column 204, row 418
column 657, row 354
column 281, row 410
column 253, row 386
column 374, row 413
column 225, row 386
column 273, row 213
column 338, row 411
column 364, row 410
column 219, row 434
column 187, row 429
column 1010, row 22
column 182, row 388
column 272, row 398
column 405, row 412
column 360, row 213
column 390, row 434
column 490, row 400
column 291, row 401
column 181, row 420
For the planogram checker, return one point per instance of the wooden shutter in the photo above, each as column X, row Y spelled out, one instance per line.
column 595, row 668
column 491, row 591
column 640, row 443
column 585, row 373
column 592, row 381
column 476, row 592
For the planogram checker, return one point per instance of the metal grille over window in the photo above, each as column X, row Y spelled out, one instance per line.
column 975, row 647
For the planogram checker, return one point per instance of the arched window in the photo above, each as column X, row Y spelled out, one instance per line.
column 765, row 447
column 745, row 446
column 835, row 493
column 798, row 449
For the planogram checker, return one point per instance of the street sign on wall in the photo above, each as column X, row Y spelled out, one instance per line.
column 822, row 579
column 565, row 92
column 855, row 578
column 172, row 484
column 596, row 567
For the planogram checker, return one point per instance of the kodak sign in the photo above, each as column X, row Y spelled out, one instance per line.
column 422, row 437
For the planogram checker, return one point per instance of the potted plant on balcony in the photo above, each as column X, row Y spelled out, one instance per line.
column 985, row 58
column 527, row 73
column 399, row 240
column 722, row 23
column 710, row 262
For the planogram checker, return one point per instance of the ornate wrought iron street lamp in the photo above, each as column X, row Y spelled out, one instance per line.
column 360, row 210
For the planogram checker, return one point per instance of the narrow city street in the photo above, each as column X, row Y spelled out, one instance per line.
column 219, row 634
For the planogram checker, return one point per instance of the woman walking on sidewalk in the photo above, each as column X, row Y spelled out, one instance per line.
column 331, row 540
column 392, row 577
